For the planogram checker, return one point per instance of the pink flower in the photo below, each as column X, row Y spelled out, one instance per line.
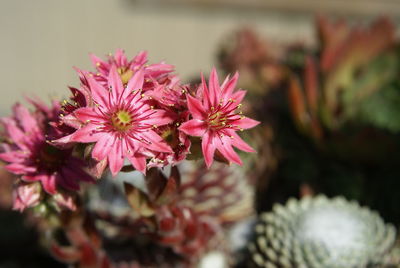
column 170, row 94
column 177, row 140
column 216, row 119
column 30, row 155
column 121, row 123
column 126, row 68
column 26, row 195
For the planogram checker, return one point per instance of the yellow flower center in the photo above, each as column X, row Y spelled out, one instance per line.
column 217, row 119
column 122, row 120
column 125, row 74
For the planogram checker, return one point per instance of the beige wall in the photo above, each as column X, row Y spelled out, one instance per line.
column 42, row 39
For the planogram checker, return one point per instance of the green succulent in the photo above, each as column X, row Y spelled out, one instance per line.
column 321, row 232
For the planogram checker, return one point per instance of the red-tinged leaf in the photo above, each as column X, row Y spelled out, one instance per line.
column 156, row 182
column 64, row 254
column 89, row 257
column 171, row 239
column 297, row 103
column 171, row 188
column 138, row 201
column 311, row 85
column 166, row 224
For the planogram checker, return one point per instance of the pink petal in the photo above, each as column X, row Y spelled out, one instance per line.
column 13, row 157
column 17, row 168
column 25, row 118
column 240, row 144
column 139, row 59
column 156, row 142
column 63, row 142
column 156, row 117
column 195, row 107
column 99, row 93
column 49, row 183
column 227, row 88
column 88, row 114
column 116, row 158
column 194, row 127
column 99, row 64
column 87, row 134
column 72, row 121
column 214, row 89
column 239, row 95
column 115, row 84
column 120, row 58
column 246, row 123
column 15, row 133
column 205, row 93
column 135, row 83
column 138, row 161
column 103, row 147
column 208, row 148
column 224, row 146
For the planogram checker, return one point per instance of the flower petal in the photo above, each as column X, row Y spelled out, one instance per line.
column 194, row 127
column 13, row 156
column 103, row 147
column 25, row 118
column 240, row 144
column 115, row 84
column 120, row 58
column 239, row 95
column 156, row 117
column 135, row 83
column 99, row 93
column 19, row 169
column 16, row 134
column 138, row 161
column 224, row 146
column 88, row 114
column 246, row 123
column 154, row 142
column 116, row 158
column 139, row 59
column 214, row 89
column 48, row 182
column 99, row 64
column 208, row 147
column 195, row 107
column 228, row 87
column 86, row 134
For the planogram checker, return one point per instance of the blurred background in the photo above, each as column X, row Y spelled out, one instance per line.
column 41, row 40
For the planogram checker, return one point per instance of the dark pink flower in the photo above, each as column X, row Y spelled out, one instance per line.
column 216, row 117
column 26, row 195
column 30, row 154
column 126, row 68
column 121, row 122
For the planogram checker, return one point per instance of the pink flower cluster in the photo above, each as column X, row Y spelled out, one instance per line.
column 126, row 113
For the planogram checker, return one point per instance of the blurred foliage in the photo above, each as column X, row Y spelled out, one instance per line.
column 331, row 111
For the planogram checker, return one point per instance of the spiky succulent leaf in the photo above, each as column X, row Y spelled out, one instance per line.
column 321, row 232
